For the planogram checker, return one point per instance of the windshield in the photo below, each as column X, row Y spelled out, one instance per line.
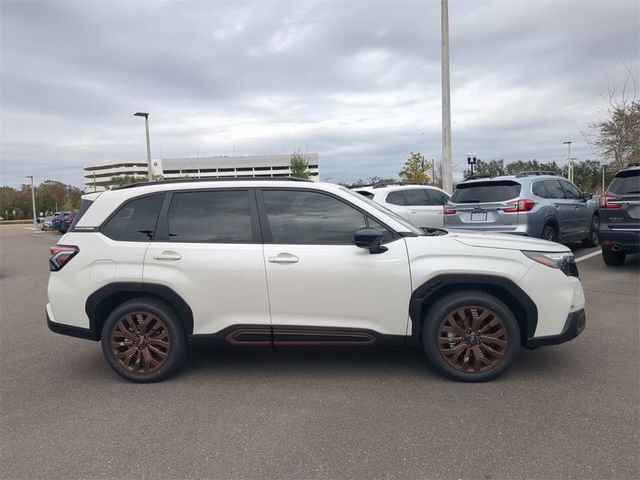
column 409, row 226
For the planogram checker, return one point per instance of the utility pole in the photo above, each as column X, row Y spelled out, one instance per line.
column 603, row 167
column 446, row 167
column 569, row 164
column 33, row 202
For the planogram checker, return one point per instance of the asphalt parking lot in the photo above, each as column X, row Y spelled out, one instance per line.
column 569, row 411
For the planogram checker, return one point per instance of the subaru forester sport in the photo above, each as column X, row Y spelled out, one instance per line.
column 147, row 267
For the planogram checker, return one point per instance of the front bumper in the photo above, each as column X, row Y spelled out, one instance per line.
column 574, row 325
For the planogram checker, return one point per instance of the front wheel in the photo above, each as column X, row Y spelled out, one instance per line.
column 143, row 340
column 471, row 336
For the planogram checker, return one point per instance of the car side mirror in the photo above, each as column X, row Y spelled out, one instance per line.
column 371, row 239
column 587, row 196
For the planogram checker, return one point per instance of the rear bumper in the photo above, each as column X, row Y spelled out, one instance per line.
column 574, row 325
column 68, row 330
column 627, row 241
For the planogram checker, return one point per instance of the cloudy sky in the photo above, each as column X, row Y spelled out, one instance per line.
column 357, row 82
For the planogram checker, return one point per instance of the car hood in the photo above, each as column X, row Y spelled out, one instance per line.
column 506, row 241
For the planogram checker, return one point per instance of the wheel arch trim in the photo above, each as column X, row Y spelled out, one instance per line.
column 503, row 288
column 127, row 290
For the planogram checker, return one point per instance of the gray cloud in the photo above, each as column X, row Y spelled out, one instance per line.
column 357, row 82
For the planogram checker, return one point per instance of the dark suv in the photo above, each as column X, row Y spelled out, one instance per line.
column 620, row 216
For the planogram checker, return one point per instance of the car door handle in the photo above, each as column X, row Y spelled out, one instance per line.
column 284, row 258
column 555, row 205
column 413, row 211
column 168, row 255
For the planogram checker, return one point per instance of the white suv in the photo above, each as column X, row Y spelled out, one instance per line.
column 145, row 268
column 422, row 205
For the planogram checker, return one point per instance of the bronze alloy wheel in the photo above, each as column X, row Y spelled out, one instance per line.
column 473, row 339
column 140, row 342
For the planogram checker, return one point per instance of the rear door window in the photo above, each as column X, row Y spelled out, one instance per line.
column 436, row 197
column 416, row 197
column 486, row 192
column 554, row 189
column 135, row 221
column 626, row 183
column 221, row 216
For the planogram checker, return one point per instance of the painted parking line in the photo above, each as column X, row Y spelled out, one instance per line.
column 592, row 254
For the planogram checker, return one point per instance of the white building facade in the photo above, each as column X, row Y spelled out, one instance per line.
column 102, row 175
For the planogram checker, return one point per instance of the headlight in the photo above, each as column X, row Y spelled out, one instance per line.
column 564, row 261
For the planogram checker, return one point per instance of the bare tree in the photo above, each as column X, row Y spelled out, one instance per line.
column 616, row 138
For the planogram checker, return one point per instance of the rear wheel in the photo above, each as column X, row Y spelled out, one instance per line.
column 593, row 240
column 143, row 340
column 611, row 258
column 471, row 336
column 549, row 233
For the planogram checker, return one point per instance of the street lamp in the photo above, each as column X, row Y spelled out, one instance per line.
column 471, row 160
column 146, row 127
column 33, row 201
column 570, row 164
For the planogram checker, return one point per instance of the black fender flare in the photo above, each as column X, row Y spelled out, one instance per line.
column 505, row 289
column 128, row 290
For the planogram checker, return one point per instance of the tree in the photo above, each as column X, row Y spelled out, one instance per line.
column 361, row 182
column 415, row 169
column 125, row 180
column 492, row 168
column 298, row 165
column 616, row 138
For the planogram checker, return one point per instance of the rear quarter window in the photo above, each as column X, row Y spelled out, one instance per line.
column 486, row 192
column 135, row 221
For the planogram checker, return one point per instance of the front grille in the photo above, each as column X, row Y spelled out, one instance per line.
column 570, row 269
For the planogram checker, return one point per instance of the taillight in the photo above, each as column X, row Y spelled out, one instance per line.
column 520, row 206
column 60, row 256
column 447, row 209
column 68, row 220
column 605, row 202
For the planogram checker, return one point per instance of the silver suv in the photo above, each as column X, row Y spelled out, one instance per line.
column 535, row 204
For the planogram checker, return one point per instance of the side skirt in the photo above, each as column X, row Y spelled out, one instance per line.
column 296, row 336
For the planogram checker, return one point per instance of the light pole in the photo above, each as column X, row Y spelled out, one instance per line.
column 146, row 127
column 603, row 167
column 446, row 166
column 471, row 160
column 33, row 202
column 570, row 165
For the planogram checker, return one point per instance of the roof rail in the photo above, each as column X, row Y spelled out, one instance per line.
column 476, row 177
column 211, row 179
column 386, row 184
column 536, row 172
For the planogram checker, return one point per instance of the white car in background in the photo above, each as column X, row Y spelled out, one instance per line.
column 420, row 204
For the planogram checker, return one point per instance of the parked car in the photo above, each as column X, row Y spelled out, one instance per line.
column 420, row 204
column 47, row 223
column 620, row 216
column 147, row 267
column 58, row 221
column 535, row 204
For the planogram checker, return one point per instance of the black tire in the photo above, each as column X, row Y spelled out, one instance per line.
column 593, row 240
column 162, row 327
column 549, row 233
column 436, row 321
column 611, row 258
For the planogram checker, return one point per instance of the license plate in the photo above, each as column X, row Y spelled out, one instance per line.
column 478, row 216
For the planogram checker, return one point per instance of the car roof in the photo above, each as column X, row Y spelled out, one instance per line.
column 515, row 178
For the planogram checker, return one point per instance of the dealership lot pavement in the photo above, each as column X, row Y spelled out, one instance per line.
column 569, row 411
